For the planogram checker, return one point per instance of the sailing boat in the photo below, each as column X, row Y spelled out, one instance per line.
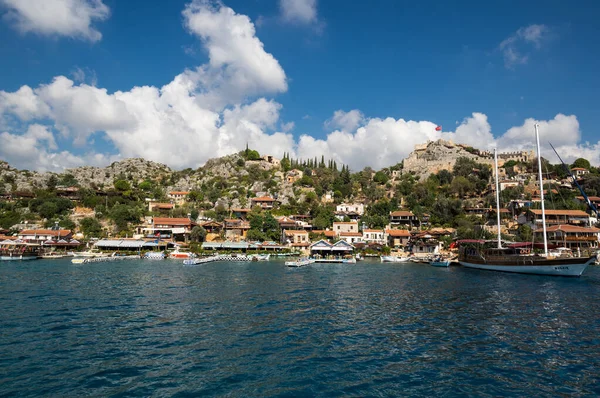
column 515, row 259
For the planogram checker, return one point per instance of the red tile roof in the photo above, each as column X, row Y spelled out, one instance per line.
column 373, row 230
column 294, row 232
column 61, row 233
column 350, row 234
column 178, row 193
column 402, row 213
column 577, row 213
column 172, row 221
column 163, row 205
column 263, row 199
column 570, row 228
column 397, row 233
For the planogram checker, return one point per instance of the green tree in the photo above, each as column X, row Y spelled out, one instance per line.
column 123, row 214
column 198, row 234
column 444, row 177
column 461, row 186
column 525, row 234
column 68, row 180
column 271, row 227
column 122, row 185
column 286, row 165
column 195, row 196
column 252, row 155
column 581, row 162
column 146, row 186
column 255, row 234
column 380, row 178
column 52, row 182
column 48, row 210
column 90, row 227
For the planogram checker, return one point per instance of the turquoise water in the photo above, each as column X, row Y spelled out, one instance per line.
column 157, row 328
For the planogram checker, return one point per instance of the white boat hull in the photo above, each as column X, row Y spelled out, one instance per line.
column 394, row 259
column 18, row 258
column 557, row 270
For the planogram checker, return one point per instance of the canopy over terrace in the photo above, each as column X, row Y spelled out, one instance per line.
column 325, row 248
column 242, row 246
column 130, row 244
column 62, row 243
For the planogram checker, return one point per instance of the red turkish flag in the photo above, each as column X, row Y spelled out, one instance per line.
column 438, row 128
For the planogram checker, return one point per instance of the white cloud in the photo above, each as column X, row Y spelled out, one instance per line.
column 298, row 11
column 346, row 121
column 474, row 131
column 213, row 111
column 23, row 103
column 31, row 150
column 514, row 48
column 239, row 66
column 70, row 18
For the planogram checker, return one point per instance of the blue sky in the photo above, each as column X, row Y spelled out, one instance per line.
column 93, row 81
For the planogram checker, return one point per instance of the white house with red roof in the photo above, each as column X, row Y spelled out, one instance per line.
column 177, row 228
column 374, row 236
column 43, row 235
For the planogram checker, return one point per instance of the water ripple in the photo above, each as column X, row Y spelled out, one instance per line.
column 140, row 329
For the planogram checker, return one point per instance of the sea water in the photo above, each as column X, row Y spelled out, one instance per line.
column 157, row 328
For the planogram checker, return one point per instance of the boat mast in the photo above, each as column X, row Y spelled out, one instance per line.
column 497, row 197
column 537, row 139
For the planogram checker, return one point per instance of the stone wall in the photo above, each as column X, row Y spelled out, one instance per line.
column 440, row 155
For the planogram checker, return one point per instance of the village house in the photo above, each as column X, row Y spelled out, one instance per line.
column 240, row 213
column 508, row 184
column 178, row 197
column 576, row 238
column 286, row 224
column 341, row 226
column 326, row 249
column 476, row 211
column 425, row 247
column 160, row 207
column 40, row 236
column 404, row 217
column 302, row 220
column 297, row 238
column 358, row 208
column 327, row 197
column 271, row 159
column 579, row 171
column 294, row 175
column 533, row 217
column 264, row 202
column 328, row 234
column 212, row 227
column 170, row 228
column 397, row 237
column 235, row 228
column 378, row 236
column 595, row 200
column 350, row 237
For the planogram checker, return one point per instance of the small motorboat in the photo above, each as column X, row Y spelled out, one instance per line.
column 439, row 262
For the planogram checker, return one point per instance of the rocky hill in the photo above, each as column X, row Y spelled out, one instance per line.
column 230, row 180
column 434, row 156
column 135, row 170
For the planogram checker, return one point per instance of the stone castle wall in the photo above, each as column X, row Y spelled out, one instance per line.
column 434, row 156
